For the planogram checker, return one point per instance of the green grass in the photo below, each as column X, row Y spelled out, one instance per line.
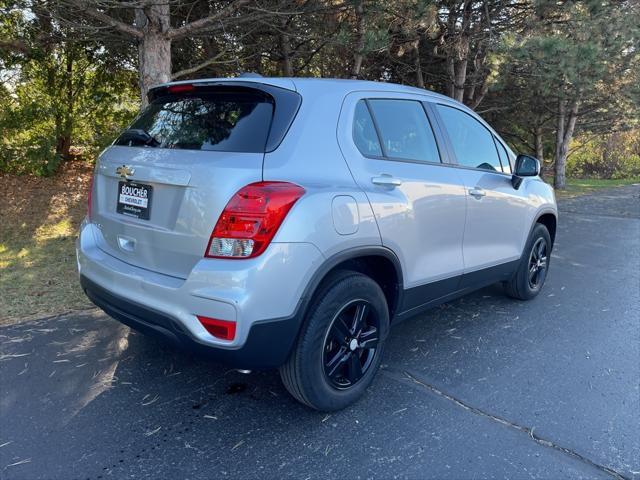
column 582, row 186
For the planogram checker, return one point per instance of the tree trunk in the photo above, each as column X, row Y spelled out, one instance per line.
column 564, row 135
column 479, row 82
column 478, row 97
column 539, row 142
column 63, row 144
column 559, row 161
column 285, row 51
column 358, row 57
column 451, row 62
column 418, row 63
column 459, row 80
column 154, row 48
column 609, row 161
column 451, row 70
column 457, row 66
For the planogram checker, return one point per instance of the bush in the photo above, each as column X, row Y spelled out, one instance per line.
column 612, row 156
column 40, row 110
column 39, row 158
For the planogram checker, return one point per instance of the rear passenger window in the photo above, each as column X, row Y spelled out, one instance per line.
column 472, row 142
column 404, row 130
column 364, row 132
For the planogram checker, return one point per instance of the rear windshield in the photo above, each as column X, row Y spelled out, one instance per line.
column 219, row 121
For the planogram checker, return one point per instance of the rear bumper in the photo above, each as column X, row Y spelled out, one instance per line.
column 268, row 343
column 264, row 296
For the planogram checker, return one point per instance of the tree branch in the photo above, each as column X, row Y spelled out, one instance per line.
column 189, row 71
column 201, row 24
column 107, row 19
column 520, row 139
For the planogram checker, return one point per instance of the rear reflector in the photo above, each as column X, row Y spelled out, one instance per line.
column 223, row 329
column 251, row 219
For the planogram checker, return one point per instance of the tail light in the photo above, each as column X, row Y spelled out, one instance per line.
column 90, row 198
column 251, row 218
column 223, row 329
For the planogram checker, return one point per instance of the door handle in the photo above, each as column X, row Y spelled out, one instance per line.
column 386, row 181
column 477, row 192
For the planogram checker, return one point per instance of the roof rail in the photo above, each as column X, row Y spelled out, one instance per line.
column 249, row 75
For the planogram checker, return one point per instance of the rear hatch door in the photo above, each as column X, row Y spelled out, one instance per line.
column 160, row 188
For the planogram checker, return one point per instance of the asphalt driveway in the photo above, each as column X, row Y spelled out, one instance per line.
column 484, row 387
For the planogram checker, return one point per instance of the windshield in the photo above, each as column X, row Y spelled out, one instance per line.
column 218, row 121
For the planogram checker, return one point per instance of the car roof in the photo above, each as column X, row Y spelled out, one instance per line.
column 305, row 85
column 337, row 86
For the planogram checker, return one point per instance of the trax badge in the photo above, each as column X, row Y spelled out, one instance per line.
column 125, row 171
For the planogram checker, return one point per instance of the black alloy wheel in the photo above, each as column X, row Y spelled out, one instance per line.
column 538, row 264
column 350, row 344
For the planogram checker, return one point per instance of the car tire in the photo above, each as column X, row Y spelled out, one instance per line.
column 532, row 271
column 336, row 356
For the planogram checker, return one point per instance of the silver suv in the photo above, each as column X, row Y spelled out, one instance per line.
column 287, row 223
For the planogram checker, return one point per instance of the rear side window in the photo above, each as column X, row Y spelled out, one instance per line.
column 224, row 121
column 405, row 130
column 472, row 142
column 364, row 132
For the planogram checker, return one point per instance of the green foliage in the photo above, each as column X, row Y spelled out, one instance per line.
column 57, row 92
column 67, row 77
column 35, row 117
column 613, row 156
column 27, row 144
column 29, row 157
column 574, row 64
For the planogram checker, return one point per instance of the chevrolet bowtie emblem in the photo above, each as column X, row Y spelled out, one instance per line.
column 125, row 172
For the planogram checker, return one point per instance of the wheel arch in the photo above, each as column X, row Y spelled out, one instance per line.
column 550, row 221
column 377, row 262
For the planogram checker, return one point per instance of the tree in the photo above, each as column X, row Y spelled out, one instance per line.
column 541, row 71
column 58, row 89
column 470, row 34
column 150, row 24
column 577, row 58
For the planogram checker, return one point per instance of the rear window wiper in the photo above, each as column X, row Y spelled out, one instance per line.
column 136, row 136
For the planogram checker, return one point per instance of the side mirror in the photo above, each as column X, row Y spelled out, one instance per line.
column 526, row 166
